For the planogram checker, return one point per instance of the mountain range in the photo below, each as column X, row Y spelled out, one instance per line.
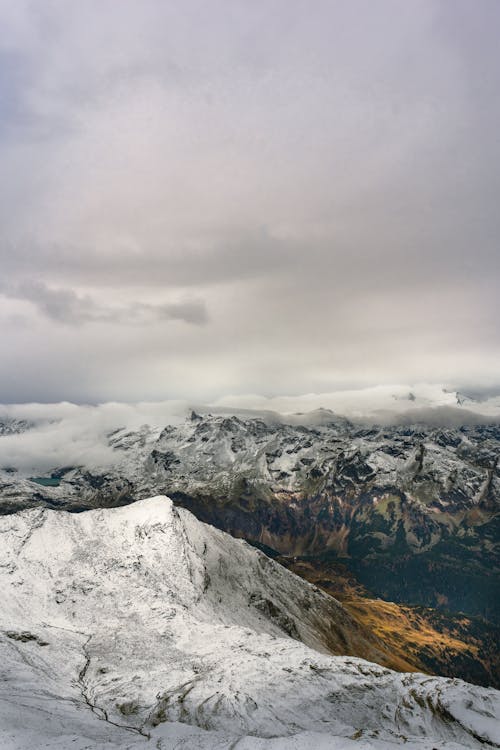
column 398, row 521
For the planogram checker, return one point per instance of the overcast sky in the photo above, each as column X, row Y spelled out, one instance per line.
column 222, row 197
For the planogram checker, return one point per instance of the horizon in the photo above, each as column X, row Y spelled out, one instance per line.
column 249, row 374
column 64, row 433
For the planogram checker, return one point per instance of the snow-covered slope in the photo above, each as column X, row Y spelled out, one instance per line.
column 140, row 626
column 446, row 469
column 414, row 509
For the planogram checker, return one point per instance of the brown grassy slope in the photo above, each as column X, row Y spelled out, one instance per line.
column 418, row 638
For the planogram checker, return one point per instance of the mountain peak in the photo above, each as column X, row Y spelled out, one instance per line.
column 158, row 508
column 130, row 620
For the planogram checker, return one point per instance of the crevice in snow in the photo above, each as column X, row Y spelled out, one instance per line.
column 100, row 712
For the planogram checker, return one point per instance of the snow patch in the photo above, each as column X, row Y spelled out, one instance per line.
column 140, row 629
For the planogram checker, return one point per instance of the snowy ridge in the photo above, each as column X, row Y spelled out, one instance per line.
column 140, row 626
column 447, row 468
column 425, row 498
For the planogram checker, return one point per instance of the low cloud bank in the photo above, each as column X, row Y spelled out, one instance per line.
column 384, row 403
column 66, row 434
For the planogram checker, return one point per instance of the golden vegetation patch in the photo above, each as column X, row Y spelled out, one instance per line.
column 417, row 638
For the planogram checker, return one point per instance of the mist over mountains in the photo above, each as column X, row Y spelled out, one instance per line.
column 60, row 434
column 400, row 504
column 249, row 375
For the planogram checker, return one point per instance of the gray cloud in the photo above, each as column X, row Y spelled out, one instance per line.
column 65, row 306
column 323, row 180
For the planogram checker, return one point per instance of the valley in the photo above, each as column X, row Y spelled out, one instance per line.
column 139, row 626
column 401, row 523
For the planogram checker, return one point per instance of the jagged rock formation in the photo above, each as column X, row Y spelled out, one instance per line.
column 423, row 500
column 411, row 510
column 140, row 626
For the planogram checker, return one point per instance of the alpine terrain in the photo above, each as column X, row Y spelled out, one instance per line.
column 400, row 522
column 140, row 626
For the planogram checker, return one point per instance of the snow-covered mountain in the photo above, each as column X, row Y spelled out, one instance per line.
column 142, row 627
column 332, row 485
column 11, row 426
column 436, row 468
column 411, row 509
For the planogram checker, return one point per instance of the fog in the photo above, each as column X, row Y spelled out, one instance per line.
column 65, row 434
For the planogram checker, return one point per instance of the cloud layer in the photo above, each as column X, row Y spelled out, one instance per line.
column 208, row 198
column 67, row 307
column 66, row 434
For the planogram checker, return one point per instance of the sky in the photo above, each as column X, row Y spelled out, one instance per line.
column 203, row 200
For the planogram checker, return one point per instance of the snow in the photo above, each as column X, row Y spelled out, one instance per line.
column 210, row 454
column 142, row 627
column 37, row 437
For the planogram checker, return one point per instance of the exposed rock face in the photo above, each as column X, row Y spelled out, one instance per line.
column 413, row 510
column 120, row 625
